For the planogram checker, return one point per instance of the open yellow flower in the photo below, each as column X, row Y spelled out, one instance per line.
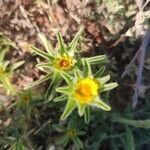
column 64, row 63
column 83, row 92
column 86, row 90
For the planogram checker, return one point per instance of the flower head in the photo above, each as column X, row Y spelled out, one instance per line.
column 64, row 63
column 58, row 60
column 84, row 91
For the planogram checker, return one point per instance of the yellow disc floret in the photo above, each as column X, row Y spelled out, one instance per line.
column 1, row 71
column 86, row 89
column 64, row 63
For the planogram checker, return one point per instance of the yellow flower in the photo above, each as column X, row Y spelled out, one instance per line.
column 86, row 90
column 71, row 133
column 64, row 63
column 1, row 71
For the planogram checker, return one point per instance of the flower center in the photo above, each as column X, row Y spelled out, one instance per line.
column 64, row 63
column 86, row 90
column 1, row 71
column 71, row 133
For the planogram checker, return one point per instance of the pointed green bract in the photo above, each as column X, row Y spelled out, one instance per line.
column 100, row 72
column 45, row 78
column 100, row 104
column 78, row 143
column 40, row 52
column 109, row 86
column 86, row 69
column 46, row 44
column 60, row 98
column 62, row 49
column 67, row 77
column 87, row 114
column 104, row 79
column 81, row 108
column 68, row 109
column 16, row 65
column 64, row 90
column 74, row 42
column 96, row 59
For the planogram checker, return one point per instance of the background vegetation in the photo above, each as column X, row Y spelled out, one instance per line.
column 114, row 28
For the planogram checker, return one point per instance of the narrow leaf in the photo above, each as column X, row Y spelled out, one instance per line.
column 96, row 59
column 100, row 104
column 136, row 123
column 81, row 108
column 60, row 98
column 41, row 53
column 3, row 52
column 16, row 65
column 74, row 42
column 86, row 69
column 99, row 72
column 67, row 77
column 64, row 90
column 46, row 43
column 45, row 67
column 61, row 43
column 43, row 79
column 104, row 79
column 68, row 109
column 87, row 114
column 78, row 143
column 129, row 140
column 109, row 86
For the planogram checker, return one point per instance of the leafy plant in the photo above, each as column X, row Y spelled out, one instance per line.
column 59, row 61
column 6, row 70
column 69, row 133
column 83, row 91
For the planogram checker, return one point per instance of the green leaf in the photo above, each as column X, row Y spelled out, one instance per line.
column 87, row 114
column 67, row 77
column 43, row 79
column 81, row 108
column 109, row 86
column 62, row 49
column 64, row 90
column 100, row 104
column 99, row 72
column 43, row 66
column 58, row 127
column 86, row 69
column 81, row 132
column 41, row 53
column 3, row 52
column 129, row 140
column 20, row 146
column 78, row 143
column 68, row 109
column 16, row 65
column 56, row 79
column 5, row 64
column 96, row 59
column 62, row 140
column 74, row 42
column 60, row 98
column 6, row 82
column 136, row 123
column 46, row 43
column 104, row 79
